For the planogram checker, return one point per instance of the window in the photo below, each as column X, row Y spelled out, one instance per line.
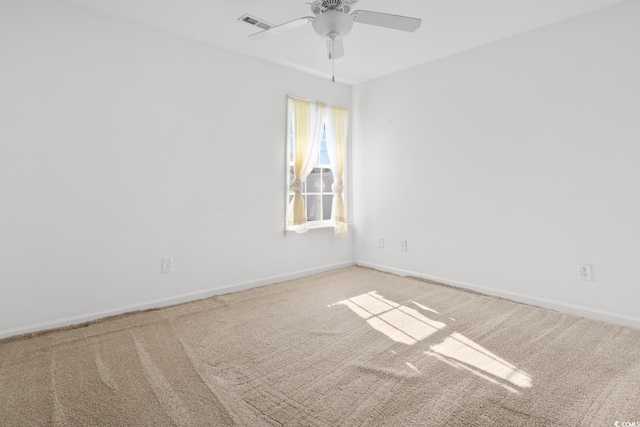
column 316, row 189
column 316, row 146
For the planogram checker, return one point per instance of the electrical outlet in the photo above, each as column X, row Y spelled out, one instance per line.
column 167, row 265
column 381, row 242
column 584, row 272
column 403, row 246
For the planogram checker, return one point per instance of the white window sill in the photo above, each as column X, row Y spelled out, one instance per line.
column 324, row 226
column 309, row 228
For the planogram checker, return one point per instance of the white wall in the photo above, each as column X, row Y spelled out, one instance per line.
column 506, row 165
column 119, row 145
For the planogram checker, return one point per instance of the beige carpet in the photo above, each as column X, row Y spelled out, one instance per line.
column 348, row 348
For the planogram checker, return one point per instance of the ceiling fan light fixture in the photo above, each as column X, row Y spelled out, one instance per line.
column 332, row 24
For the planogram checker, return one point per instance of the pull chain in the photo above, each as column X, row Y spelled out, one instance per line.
column 333, row 60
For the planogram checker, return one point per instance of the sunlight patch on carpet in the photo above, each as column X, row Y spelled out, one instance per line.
column 408, row 326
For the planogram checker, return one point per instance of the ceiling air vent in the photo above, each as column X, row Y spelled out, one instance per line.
column 256, row 22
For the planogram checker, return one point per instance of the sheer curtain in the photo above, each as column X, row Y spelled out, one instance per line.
column 337, row 126
column 308, row 121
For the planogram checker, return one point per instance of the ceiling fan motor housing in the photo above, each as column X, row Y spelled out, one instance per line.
column 322, row 6
column 332, row 24
column 331, row 3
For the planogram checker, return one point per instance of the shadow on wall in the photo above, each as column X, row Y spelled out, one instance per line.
column 408, row 326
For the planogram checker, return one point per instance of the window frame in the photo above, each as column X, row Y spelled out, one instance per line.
column 311, row 225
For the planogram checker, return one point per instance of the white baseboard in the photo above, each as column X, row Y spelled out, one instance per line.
column 164, row 302
column 590, row 313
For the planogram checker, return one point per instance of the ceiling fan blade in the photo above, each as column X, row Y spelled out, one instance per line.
column 338, row 48
column 279, row 29
column 396, row 22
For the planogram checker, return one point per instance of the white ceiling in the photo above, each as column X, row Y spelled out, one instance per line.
column 448, row 27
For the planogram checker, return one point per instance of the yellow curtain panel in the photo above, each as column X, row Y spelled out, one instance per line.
column 340, row 119
column 307, row 132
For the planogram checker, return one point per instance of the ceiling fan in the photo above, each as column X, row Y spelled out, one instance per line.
column 333, row 20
